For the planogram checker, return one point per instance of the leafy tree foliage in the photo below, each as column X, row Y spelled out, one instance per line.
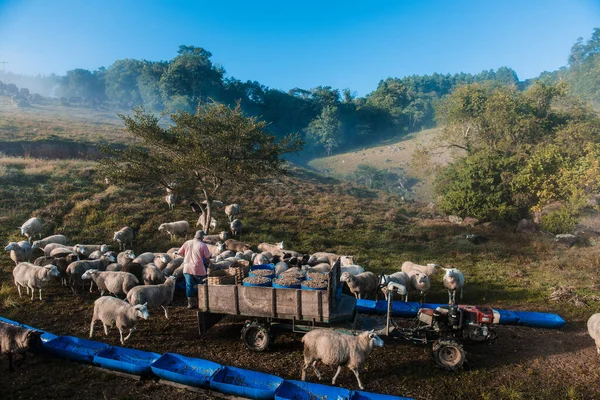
column 199, row 153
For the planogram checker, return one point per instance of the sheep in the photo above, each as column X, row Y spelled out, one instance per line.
column 62, row 252
column 338, row 349
column 399, row 278
column 112, row 311
column 319, row 256
column 352, row 269
column 453, row 280
column 144, row 258
column 236, row 227
column 76, row 269
column 178, row 228
column 52, row 246
column 593, row 326
column 114, row 267
column 232, row 211
column 172, row 266
column 43, row 260
column 84, row 250
column 31, row 227
column 19, row 252
column 33, row 277
column 419, row 282
column 170, row 199
column 275, row 249
column 213, row 224
column 172, row 251
column 361, row 285
column 18, row 340
column 40, row 244
column 134, row 268
column 61, row 263
column 346, row 260
column 178, row 273
column 281, row 267
column 154, row 295
column 214, row 203
column 261, row 259
column 125, row 257
column 213, row 239
column 117, row 283
column 161, row 260
column 236, row 245
column 247, row 255
column 323, row 268
column 227, row 254
column 216, row 249
column 152, row 275
column 124, row 237
column 428, row 269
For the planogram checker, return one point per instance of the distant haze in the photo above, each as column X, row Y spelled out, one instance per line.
column 343, row 44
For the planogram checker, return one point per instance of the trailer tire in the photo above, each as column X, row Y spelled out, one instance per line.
column 256, row 336
column 449, row 354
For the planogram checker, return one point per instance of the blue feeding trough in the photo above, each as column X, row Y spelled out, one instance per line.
column 536, row 320
column 46, row 336
column 185, row 370
column 74, row 348
column 359, row 395
column 245, row 383
column 300, row 390
column 136, row 362
column 263, row 266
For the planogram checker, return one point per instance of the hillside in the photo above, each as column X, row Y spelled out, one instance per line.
column 309, row 212
column 390, row 155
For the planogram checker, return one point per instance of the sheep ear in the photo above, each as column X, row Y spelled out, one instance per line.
column 145, row 304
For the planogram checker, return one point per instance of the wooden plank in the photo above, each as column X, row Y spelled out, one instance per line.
column 222, row 299
column 256, row 301
column 286, row 302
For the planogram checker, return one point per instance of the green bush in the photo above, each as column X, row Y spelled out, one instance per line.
column 561, row 221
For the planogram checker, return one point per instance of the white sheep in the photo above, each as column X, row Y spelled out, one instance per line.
column 323, row 268
column 84, row 250
column 338, row 349
column 352, row 269
column 281, row 267
column 361, row 285
column 19, row 252
column 261, row 259
column 52, row 246
column 236, row 227
column 170, row 199
column 40, row 244
column 152, row 275
column 172, row 266
column 124, row 237
column 125, row 257
column 144, row 258
column 453, row 280
column 33, row 277
column 18, row 340
column 31, row 227
column 419, row 282
column 177, row 228
column 233, row 211
column 117, row 283
column 62, row 252
column 274, row 249
column 154, row 295
column 213, row 239
column 213, row 224
column 319, row 257
column 593, row 326
column 76, row 269
column 428, row 269
column 216, row 249
column 112, row 311
column 346, row 260
column 161, row 260
column 398, row 278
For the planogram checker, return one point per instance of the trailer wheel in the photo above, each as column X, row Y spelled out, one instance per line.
column 256, row 336
column 449, row 354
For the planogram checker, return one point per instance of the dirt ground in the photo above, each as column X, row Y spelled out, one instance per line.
column 522, row 363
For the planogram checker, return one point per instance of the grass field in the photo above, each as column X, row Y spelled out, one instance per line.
column 309, row 212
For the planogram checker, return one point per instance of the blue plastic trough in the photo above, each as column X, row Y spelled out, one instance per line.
column 359, row 395
column 299, row 390
column 245, row 383
column 263, row 266
column 74, row 348
column 276, row 286
column 536, row 319
column 186, row 370
column 136, row 362
column 46, row 336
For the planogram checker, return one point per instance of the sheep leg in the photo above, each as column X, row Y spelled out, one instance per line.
column 166, row 313
column 27, row 287
column 105, row 329
column 32, row 294
column 121, row 333
column 360, row 385
column 314, row 365
column 18, row 289
column 339, row 369
column 92, row 328
column 40, row 294
column 130, row 332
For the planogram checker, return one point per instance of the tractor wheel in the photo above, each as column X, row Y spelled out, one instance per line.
column 449, row 354
column 256, row 336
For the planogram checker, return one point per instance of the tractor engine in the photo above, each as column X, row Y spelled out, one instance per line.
column 477, row 323
column 461, row 322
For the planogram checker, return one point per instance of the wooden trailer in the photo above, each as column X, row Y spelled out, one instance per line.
column 297, row 309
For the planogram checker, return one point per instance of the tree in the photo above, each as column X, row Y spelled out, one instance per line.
column 325, row 130
column 201, row 152
column 366, row 174
column 122, row 82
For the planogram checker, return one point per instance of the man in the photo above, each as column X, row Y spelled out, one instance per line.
column 196, row 260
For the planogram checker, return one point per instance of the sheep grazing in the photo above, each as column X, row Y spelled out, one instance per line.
column 233, row 211
column 593, row 326
column 213, row 239
column 116, row 283
column 31, row 227
column 52, row 246
column 152, row 275
column 18, row 340
column 236, row 227
column 236, row 245
column 40, row 244
column 124, row 237
column 274, row 249
column 19, row 252
column 76, row 269
column 419, row 282
column 453, row 280
column 84, row 250
column 60, row 262
column 170, row 199
column 361, row 285
column 33, row 277
column 428, row 269
column 178, row 228
column 125, row 257
column 154, row 296
column 112, row 311
column 337, row 349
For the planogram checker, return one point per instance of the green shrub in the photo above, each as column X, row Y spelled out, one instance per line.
column 561, row 221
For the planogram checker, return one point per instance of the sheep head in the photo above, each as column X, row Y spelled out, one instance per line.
column 33, row 340
column 346, row 276
column 141, row 311
column 87, row 275
column 53, row 271
column 11, row 246
column 280, row 245
column 36, row 244
column 161, row 228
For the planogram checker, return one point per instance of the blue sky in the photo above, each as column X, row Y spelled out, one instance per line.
column 286, row 44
